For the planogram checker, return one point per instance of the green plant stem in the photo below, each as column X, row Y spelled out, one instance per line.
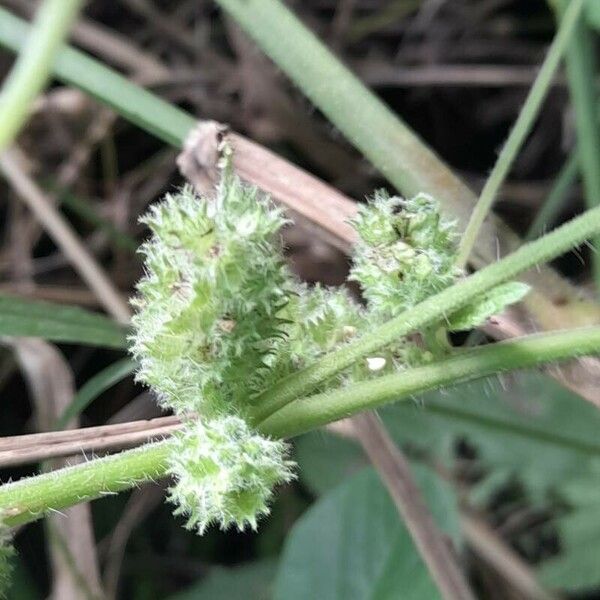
column 520, row 131
column 29, row 499
column 547, row 215
column 34, row 65
column 308, row 413
column 581, row 73
column 429, row 311
column 151, row 113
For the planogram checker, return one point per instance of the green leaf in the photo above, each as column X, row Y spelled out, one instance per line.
column 503, row 419
column 352, row 545
column 250, row 581
column 325, row 460
column 491, row 303
column 92, row 388
column 592, row 13
column 577, row 566
column 506, row 419
column 58, row 323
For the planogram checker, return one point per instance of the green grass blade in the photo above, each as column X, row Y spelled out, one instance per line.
column 582, row 69
column 137, row 105
column 34, row 65
column 521, row 130
column 548, row 213
column 95, row 386
column 58, row 323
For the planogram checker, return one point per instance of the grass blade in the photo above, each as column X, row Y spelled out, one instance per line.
column 93, row 387
column 582, row 70
column 520, row 131
column 34, row 65
column 165, row 121
column 58, row 323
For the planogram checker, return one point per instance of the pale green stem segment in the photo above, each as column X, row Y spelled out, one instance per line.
column 150, row 112
column 34, row 65
column 520, row 131
column 305, row 414
column 582, row 70
column 29, row 499
column 429, row 311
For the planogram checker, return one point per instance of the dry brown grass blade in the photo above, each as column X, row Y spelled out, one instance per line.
column 11, row 164
column 394, row 471
column 70, row 535
column 494, row 551
column 23, row 449
column 483, row 540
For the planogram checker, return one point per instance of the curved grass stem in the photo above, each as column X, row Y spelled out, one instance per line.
column 34, row 65
column 520, row 131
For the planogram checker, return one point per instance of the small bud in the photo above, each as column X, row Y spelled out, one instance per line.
column 225, row 473
column 405, row 253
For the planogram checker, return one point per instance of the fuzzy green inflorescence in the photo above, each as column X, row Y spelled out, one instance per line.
column 207, row 310
column 220, row 319
column 405, row 252
column 225, row 473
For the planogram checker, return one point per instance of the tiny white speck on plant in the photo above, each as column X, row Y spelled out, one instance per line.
column 376, row 363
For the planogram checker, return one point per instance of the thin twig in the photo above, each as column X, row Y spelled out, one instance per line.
column 394, row 470
column 23, row 449
column 492, row 549
column 11, row 165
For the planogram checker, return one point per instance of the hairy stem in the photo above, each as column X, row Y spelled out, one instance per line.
column 34, row 65
column 305, row 414
column 429, row 311
column 28, row 499
column 520, row 131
